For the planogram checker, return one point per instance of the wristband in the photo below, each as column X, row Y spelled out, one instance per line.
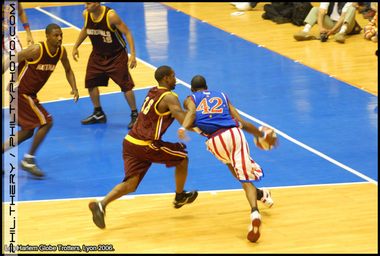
column 26, row 25
column 182, row 128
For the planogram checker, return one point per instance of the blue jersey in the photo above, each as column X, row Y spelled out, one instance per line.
column 212, row 112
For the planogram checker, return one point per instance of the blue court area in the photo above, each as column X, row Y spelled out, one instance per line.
column 327, row 115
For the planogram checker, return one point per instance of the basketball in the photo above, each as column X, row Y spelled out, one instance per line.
column 261, row 142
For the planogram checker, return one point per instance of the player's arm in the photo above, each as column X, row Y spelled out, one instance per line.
column 247, row 126
column 69, row 75
column 190, row 114
column 82, row 36
column 31, row 53
column 114, row 19
column 174, row 106
column 25, row 23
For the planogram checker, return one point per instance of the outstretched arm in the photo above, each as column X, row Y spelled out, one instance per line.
column 249, row 127
column 70, row 75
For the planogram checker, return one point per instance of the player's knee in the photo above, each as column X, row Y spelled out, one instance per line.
column 49, row 124
column 29, row 134
column 184, row 162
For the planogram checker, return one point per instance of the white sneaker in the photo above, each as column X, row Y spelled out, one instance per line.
column 254, row 228
column 267, row 199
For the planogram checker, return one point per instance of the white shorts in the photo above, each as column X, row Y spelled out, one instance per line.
column 231, row 147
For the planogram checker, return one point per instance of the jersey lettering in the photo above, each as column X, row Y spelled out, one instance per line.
column 207, row 106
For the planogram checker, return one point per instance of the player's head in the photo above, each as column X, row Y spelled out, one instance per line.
column 198, row 83
column 53, row 34
column 165, row 76
column 92, row 6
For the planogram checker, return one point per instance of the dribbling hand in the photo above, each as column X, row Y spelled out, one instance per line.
column 182, row 134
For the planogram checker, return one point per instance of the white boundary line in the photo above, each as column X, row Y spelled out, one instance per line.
column 318, row 153
column 213, row 192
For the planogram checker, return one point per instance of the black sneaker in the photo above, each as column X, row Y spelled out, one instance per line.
column 98, row 214
column 96, row 117
column 29, row 165
column 187, row 198
column 133, row 119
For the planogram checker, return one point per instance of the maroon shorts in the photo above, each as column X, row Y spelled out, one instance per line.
column 138, row 159
column 101, row 68
column 31, row 113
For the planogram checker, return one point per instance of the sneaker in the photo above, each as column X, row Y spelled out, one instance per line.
column 29, row 165
column 133, row 119
column 303, row 36
column 254, row 228
column 188, row 198
column 98, row 214
column 267, row 199
column 96, row 117
column 340, row 37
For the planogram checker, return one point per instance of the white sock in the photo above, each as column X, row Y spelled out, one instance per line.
column 28, row 156
column 343, row 28
column 307, row 28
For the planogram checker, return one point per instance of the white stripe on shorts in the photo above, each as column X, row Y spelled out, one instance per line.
column 231, row 147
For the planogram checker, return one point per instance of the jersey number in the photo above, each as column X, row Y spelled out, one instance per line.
column 209, row 107
column 107, row 39
column 147, row 105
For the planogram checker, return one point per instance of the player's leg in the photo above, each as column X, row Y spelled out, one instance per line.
column 98, row 208
column 31, row 115
column 22, row 135
column 174, row 155
column 29, row 161
column 95, row 77
column 98, row 116
column 182, row 197
column 119, row 73
column 130, row 97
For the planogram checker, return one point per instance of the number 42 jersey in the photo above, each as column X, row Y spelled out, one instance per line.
column 212, row 111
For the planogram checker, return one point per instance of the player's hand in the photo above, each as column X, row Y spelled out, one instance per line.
column 29, row 39
column 132, row 61
column 182, row 134
column 270, row 137
column 76, row 95
column 75, row 54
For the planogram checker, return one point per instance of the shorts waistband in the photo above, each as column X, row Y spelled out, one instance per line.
column 217, row 132
column 137, row 141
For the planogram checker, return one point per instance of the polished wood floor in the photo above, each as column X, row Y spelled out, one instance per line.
column 319, row 219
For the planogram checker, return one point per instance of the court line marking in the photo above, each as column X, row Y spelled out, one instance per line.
column 212, row 192
column 314, row 151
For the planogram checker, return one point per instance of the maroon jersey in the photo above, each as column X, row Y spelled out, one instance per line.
column 33, row 75
column 151, row 124
column 106, row 39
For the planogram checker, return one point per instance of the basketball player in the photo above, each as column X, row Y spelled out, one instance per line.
column 217, row 119
column 108, row 59
column 36, row 64
column 143, row 146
